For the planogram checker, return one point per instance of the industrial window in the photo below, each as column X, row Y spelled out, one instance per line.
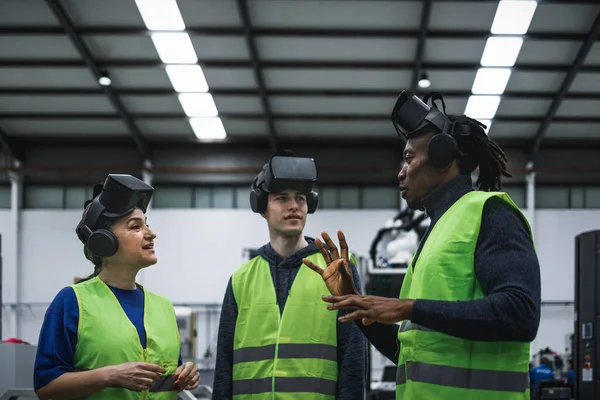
column 75, row 197
column 43, row 197
column 242, row 197
column 223, row 197
column 577, row 197
column 5, row 196
column 328, row 197
column 380, row 197
column 202, row 197
column 592, row 197
column 172, row 197
column 349, row 197
column 552, row 197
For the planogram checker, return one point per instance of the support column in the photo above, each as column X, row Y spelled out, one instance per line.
column 530, row 196
column 12, row 274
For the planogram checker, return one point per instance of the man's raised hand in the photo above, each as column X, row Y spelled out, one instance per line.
column 338, row 273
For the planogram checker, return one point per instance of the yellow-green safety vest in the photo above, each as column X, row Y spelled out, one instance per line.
column 106, row 336
column 433, row 365
column 283, row 356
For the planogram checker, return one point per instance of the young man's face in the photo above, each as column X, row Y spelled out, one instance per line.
column 417, row 176
column 286, row 212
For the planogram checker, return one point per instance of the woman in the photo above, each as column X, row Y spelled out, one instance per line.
column 107, row 337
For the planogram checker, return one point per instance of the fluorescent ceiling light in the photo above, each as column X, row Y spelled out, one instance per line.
column 187, row 78
column 491, row 80
column 198, row 104
column 483, row 107
column 486, row 122
column 424, row 82
column 501, row 51
column 161, row 15
column 208, row 128
column 513, row 17
column 104, row 81
column 174, row 48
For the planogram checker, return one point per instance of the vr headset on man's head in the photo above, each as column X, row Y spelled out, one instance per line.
column 285, row 173
column 412, row 117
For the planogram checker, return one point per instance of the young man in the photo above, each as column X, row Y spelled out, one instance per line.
column 470, row 301
column 275, row 336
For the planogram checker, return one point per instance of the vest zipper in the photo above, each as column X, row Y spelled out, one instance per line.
column 144, row 393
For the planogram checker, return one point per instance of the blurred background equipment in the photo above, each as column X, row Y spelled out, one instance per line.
column 391, row 252
column 587, row 315
column 186, row 321
column 16, row 369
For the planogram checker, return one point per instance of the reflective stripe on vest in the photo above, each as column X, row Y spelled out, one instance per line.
column 293, row 352
column 464, row 378
column 287, row 385
column 433, row 365
column 106, row 336
column 286, row 350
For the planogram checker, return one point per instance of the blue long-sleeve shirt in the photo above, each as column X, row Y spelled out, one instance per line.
column 351, row 343
column 58, row 336
column 506, row 267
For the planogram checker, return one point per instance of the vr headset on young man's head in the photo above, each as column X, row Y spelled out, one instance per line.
column 118, row 196
column 285, row 173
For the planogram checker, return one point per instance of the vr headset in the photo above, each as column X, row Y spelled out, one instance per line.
column 283, row 173
column 117, row 197
column 412, row 117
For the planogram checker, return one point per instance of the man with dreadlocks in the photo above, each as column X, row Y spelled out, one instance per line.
column 469, row 305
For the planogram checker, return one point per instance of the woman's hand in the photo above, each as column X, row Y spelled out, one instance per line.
column 188, row 376
column 135, row 375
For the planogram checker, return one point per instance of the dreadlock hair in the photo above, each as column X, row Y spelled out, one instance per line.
column 476, row 149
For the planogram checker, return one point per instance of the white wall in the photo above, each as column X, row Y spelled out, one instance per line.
column 199, row 249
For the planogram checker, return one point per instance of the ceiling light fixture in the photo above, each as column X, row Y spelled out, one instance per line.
column 424, row 82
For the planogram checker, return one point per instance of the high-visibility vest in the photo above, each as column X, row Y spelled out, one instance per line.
column 292, row 355
column 106, row 336
column 433, row 365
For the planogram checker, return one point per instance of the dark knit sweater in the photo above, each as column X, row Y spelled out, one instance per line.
column 506, row 267
column 351, row 343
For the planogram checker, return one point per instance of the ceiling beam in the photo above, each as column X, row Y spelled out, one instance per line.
column 68, row 27
column 423, row 28
column 317, row 92
column 396, row 33
column 246, row 142
column 276, row 117
column 242, row 6
column 291, row 64
column 564, row 88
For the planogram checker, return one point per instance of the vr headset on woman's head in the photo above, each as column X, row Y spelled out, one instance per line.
column 118, row 196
